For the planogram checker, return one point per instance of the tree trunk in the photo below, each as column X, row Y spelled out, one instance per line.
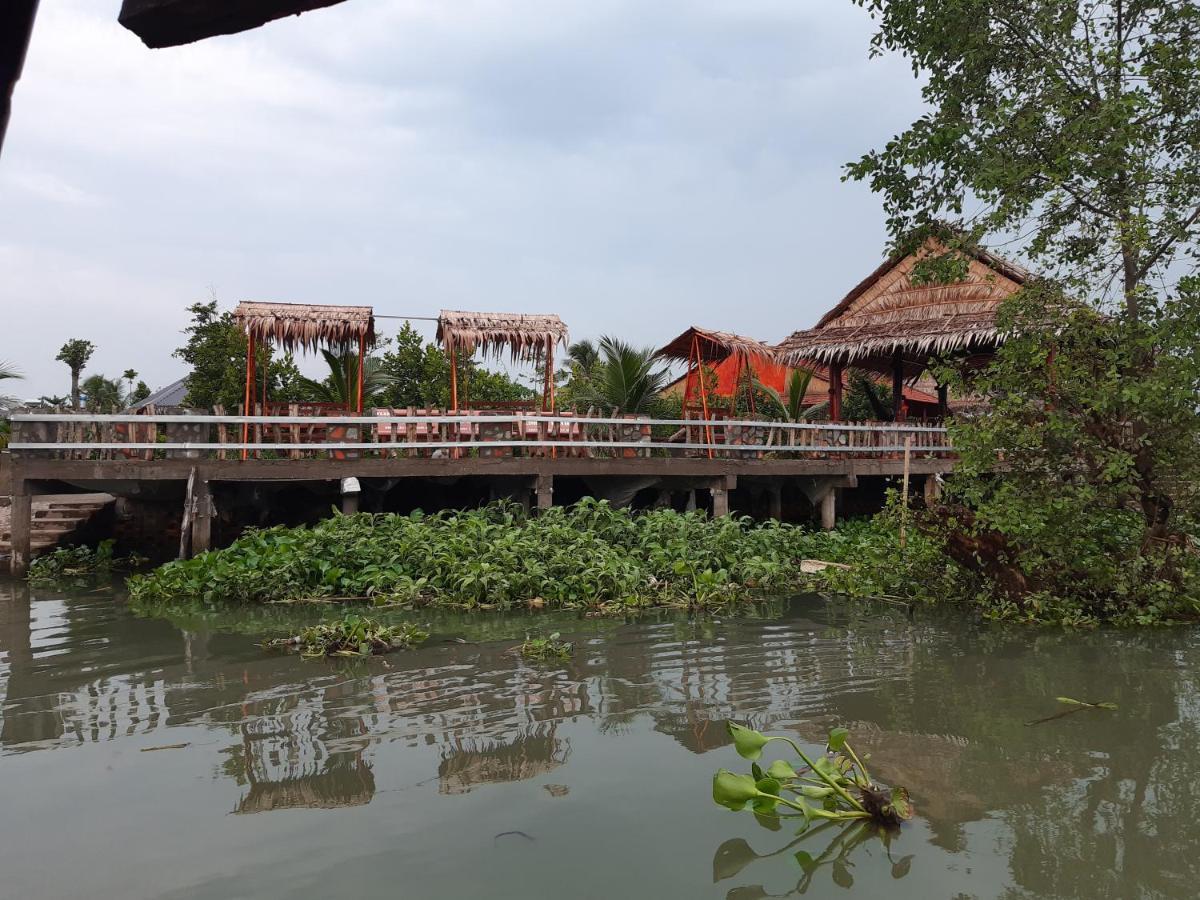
column 75, row 389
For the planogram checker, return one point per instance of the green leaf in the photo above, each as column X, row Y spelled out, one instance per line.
column 781, row 770
column 733, row 791
column 748, row 743
column 901, row 804
column 837, row 739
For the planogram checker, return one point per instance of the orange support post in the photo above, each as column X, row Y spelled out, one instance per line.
column 248, row 408
column 835, row 392
column 362, row 365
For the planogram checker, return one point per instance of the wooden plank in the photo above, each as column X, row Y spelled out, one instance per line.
column 185, row 529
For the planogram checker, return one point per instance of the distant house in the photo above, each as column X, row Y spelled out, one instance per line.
column 170, row 397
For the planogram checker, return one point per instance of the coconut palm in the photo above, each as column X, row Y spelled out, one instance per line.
column 103, row 394
column 793, row 401
column 8, row 372
column 626, row 379
column 340, row 386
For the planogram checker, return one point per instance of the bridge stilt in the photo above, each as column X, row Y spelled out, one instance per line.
column 20, row 525
column 829, row 510
column 543, row 488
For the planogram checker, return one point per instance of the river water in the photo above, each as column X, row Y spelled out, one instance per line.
column 170, row 759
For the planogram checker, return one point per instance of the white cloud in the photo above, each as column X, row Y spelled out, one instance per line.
column 633, row 166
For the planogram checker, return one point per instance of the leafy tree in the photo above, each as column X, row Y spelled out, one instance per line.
column 1077, row 126
column 139, row 393
column 104, row 395
column 418, row 375
column 76, row 353
column 215, row 351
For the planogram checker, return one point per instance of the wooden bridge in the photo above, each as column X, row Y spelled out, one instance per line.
column 188, row 456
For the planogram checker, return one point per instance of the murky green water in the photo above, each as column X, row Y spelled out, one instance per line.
column 139, row 759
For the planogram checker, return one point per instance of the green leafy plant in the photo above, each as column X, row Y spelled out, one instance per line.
column 834, row 786
column 545, row 649
column 587, row 556
column 352, row 635
column 71, row 562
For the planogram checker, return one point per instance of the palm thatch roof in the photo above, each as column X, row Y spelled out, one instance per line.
column 714, row 346
column 526, row 337
column 887, row 313
column 305, row 325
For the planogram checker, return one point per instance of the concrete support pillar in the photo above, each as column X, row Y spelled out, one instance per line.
column 203, row 514
column 351, row 490
column 829, row 510
column 933, row 490
column 775, row 502
column 20, row 525
column 543, row 489
column 720, row 501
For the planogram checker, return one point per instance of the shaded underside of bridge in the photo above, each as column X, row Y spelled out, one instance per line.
column 195, row 504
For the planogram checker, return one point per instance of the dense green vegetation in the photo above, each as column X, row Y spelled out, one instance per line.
column 585, row 556
column 72, row 562
column 351, row 635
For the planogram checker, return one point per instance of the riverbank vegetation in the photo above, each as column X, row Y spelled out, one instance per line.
column 587, row 556
column 74, row 562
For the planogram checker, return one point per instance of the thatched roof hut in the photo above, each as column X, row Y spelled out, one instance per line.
column 306, row 325
column 886, row 315
column 714, row 346
column 526, row 337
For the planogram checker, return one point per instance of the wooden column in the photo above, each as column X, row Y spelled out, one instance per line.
column 248, row 408
column 933, row 490
column 898, row 386
column 943, row 401
column 362, row 365
column 453, row 380
column 543, row 489
column 835, row 392
column 829, row 510
column 20, row 523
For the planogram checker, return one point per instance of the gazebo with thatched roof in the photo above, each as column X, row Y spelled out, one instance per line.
column 891, row 324
column 307, row 326
column 699, row 347
column 526, row 338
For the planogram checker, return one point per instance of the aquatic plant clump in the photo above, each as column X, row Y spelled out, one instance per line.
column 71, row 562
column 546, row 649
column 585, row 556
column 833, row 787
column 352, row 635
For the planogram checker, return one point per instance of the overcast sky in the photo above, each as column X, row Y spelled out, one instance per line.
column 635, row 166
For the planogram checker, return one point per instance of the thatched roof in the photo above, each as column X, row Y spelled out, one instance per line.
column 715, row 346
column 887, row 312
column 305, row 325
column 526, row 337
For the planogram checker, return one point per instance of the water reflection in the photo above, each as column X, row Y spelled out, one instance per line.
column 632, row 726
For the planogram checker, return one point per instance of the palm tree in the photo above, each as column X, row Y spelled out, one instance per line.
column 76, row 353
column 8, row 372
column 625, row 378
column 793, row 402
column 103, row 394
column 129, row 375
column 340, row 386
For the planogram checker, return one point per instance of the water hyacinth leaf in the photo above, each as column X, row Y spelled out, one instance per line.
column 781, row 770
column 837, row 739
column 757, row 772
column 769, row 795
column 816, row 791
column 733, row 791
column 901, row 805
column 748, row 743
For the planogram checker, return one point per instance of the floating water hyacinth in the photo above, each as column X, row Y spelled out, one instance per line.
column 835, row 786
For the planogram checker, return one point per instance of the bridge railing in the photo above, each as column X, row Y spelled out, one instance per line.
column 392, row 434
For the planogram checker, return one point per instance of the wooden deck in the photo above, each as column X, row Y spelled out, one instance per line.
column 129, row 455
